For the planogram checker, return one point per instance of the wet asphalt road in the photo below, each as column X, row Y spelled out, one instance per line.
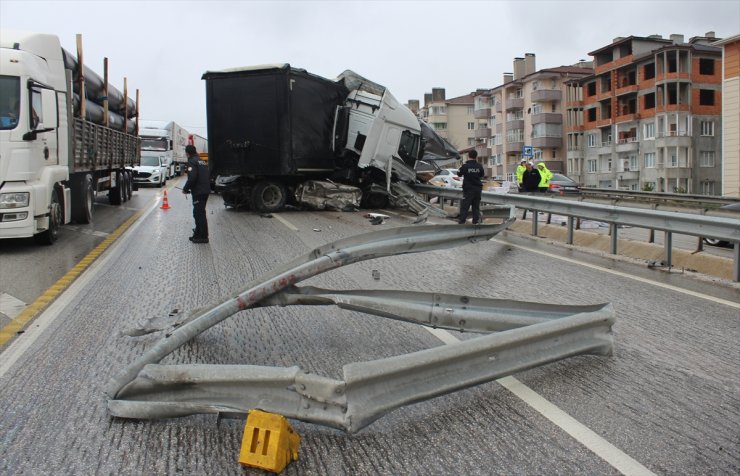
column 668, row 397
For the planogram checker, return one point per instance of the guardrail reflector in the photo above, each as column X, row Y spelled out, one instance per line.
column 269, row 442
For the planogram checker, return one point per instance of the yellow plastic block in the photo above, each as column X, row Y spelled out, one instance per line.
column 268, row 442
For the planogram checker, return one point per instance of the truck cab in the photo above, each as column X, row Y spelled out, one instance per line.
column 155, row 141
column 33, row 139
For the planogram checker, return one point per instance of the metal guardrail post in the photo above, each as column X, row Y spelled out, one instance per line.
column 736, row 263
column 669, row 249
column 569, row 240
column 535, row 223
column 613, row 238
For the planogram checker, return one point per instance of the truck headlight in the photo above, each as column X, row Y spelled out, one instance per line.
column 14, row 199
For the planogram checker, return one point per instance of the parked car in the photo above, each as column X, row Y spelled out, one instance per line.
column 455, row 179
column 449, row 181
column 563, row 185
column 716, row 242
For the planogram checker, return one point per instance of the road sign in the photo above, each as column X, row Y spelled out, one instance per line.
column 527, row 151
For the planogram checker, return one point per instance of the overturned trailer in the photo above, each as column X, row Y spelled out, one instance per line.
column 272, row 128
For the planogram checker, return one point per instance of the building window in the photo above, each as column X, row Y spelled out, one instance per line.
column 649, row 160
column 633, row 162
column 706, row 188
column 471, row 126
column 707, row 128
column 537, row 154
column 591, row 114
column 706, row 66
column 439, row 126
column 554, row 153
column 648, row 186
column 674, row 160
column 471, row 110
column 706, row 97
column 592, row 140
column 649, row 101
column 706, row 158
column 649, row 130
column 648, row 71
column 591, row 166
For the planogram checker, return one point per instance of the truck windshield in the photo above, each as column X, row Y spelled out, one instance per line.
column 408, row 149
column 149, row 161
column 10, row 104
column 150, row 143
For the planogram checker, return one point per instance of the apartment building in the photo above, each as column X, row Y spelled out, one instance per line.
column 650, row 115
column 523, row 117
column 452, row 118
column 730, row 115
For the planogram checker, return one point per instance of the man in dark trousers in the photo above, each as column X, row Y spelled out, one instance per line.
column 472, row 173
column 199, row 186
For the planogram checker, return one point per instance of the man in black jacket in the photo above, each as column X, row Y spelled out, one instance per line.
column 199, row 186
column 471, row 173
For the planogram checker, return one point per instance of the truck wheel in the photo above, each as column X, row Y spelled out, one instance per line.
column 115, row 194
column 82, row 201
column 49, row 236
column 129, row 184
column 124, row 189
column 268, row 197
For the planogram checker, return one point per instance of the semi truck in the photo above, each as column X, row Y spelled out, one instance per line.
column 65, row 135
column 165, row 140
column 271, row 128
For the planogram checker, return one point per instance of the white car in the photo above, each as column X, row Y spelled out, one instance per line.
column 449, row 177
column 151, row 171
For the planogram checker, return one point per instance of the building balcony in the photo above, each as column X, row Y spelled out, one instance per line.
column 514, row 103
column 515, row 124
column 483, row 150
column 514, row 146
column 632, row 88
column 546, row 95
column 547, row 117
column 483, row 113
column 541, row 142
column 482, row 132
column 499, row 129
column 627, row 144
column 499, row 148
column 672, row 77
column 672, row 108
column 678, row 139
column 604, row 122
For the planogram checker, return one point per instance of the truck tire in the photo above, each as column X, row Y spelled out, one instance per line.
column 56, row 219
column 82, row 201
column 124, row 190
column 129, row 184
column 268, row 197
column 115, row 194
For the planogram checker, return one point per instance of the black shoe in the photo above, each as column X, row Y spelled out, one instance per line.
column 199, row 240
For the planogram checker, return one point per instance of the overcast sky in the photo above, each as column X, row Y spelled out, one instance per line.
column 164, row 47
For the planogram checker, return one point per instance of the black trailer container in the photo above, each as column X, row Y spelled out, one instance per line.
column 273, row 127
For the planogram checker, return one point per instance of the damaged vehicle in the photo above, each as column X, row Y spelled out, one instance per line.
column 273, row 128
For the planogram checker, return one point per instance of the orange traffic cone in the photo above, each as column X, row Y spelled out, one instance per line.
column 165, row 204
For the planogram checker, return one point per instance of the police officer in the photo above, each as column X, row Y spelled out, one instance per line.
column 471, row 172
column 199, row 186
column 545, row 177
column 520, row 174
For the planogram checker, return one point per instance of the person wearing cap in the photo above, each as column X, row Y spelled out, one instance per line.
column 530, row 178
column 199, row 186
column 520, row 173
column 545, row 176
column 471, row 173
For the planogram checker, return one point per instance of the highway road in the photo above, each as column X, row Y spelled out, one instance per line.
column 666, row 402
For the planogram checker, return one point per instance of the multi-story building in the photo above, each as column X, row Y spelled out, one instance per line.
column 730, row 115
column 452, row 118
column 651, row 116
column 524, row 116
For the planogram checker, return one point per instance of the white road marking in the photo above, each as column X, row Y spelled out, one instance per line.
column 285, row 222
column 736, row 305
column 11, row 306
column 617, row 458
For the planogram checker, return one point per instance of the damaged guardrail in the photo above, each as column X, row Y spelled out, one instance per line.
column 525, row 335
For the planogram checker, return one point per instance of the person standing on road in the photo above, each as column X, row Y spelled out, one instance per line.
column 520, row 173
column 530, row 178
column 472, row 173
column 545, row 176
column 199, row 186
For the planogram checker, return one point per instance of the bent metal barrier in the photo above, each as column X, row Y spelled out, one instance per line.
column 516, row 336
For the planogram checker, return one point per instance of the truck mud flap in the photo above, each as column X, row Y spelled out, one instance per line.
column 514, row 336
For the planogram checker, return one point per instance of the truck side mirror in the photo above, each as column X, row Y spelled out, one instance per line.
column 49, row 109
